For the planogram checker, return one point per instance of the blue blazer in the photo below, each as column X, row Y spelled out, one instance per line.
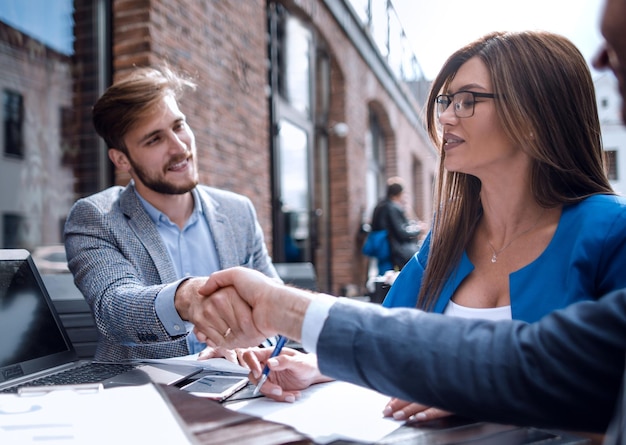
column 120, row 263
column 585, row 259
column 562, row 372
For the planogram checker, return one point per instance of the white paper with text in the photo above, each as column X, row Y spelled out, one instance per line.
column 328, row 412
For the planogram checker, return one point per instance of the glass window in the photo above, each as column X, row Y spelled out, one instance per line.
column 294, row 185
column 13, row 230
column 375, row 180
column 48, row 22
column 375, row 156
column 68, row 148
column 611, row 164
column 296, row 65
column 13, row 112
column 55, row 63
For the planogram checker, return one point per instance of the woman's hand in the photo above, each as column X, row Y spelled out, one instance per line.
column 232, row 355
column 291, row 371
column 402, row 410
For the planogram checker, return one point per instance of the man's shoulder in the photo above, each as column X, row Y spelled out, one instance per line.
column 105, row 198
column 104, row 204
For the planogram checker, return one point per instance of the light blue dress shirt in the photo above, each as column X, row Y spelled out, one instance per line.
column 193, row 254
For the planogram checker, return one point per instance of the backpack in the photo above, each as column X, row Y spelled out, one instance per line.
column 377, row 245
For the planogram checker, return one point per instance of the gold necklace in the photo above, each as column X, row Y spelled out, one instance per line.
column 494, row 256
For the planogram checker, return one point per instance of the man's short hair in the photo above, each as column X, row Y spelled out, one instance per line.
column 132, row 98
column 395, row 186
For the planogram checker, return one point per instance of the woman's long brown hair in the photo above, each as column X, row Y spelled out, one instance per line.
column 547, row 106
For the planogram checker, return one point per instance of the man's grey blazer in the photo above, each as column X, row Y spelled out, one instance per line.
column 120, row 263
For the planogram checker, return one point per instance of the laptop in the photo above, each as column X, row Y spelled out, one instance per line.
column 35, row 349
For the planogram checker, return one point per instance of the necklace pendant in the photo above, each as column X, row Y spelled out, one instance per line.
column 494, row 258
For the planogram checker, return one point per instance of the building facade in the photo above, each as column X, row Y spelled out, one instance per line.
column 35, row 172
column 301, row 105
column 613, row 130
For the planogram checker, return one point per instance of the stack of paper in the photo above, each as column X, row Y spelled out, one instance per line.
column 136, row 414
column 328, row 412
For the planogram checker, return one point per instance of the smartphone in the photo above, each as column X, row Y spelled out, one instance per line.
column 216, row 387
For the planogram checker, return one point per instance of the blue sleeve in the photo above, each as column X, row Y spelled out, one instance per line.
column 406, row 288
column 611, row 268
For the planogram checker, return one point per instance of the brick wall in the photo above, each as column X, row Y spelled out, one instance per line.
column 224, row 44
column 221, row 43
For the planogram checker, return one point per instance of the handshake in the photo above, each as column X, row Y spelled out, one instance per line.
column 240, row 307
column 237, row 308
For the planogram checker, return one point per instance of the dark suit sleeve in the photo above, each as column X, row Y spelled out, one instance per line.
column 562, row 372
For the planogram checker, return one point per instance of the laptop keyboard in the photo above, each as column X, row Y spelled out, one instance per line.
column 86, row 373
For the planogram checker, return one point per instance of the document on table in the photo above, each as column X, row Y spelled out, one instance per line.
column 328, row 412
column 211, row 364
column 131, row 414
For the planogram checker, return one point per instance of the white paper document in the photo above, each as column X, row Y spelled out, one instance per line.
column 211, row 364
column 123, row 415
column 328, row 412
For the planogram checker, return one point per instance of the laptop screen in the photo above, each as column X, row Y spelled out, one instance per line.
column 31, row 335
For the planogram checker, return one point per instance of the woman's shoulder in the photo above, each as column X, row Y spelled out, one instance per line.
column 598, row 207
column 596, row 218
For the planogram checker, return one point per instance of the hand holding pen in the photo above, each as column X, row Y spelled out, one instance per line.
column 266, row 370
column 292, row 371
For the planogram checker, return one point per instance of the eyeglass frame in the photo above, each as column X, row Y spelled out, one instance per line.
column 450, row 98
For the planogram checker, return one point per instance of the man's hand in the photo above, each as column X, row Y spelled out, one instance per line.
column 247, row 301
column 221, row 322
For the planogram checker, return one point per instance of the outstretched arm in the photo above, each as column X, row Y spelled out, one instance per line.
column 563, row 371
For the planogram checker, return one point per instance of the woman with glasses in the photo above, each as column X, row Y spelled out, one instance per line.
column 525, row 208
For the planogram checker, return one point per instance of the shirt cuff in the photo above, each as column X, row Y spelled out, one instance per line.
column 314, row 319
column 166, row 311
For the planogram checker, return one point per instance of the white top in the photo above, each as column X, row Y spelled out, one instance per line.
column 487, row 313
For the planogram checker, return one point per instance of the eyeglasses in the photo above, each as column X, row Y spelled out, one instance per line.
column 463, row 102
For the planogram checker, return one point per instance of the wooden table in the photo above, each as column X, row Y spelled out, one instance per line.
column 211, row 423
column 208, row 422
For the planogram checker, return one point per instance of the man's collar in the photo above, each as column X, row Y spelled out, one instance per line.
column 155, row 214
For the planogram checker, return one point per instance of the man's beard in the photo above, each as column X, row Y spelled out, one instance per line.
column 159, row 184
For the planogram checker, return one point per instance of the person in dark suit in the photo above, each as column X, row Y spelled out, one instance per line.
column 139, row 253
column 563, row 371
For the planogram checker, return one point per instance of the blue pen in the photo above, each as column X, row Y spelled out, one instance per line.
column 266, row 370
